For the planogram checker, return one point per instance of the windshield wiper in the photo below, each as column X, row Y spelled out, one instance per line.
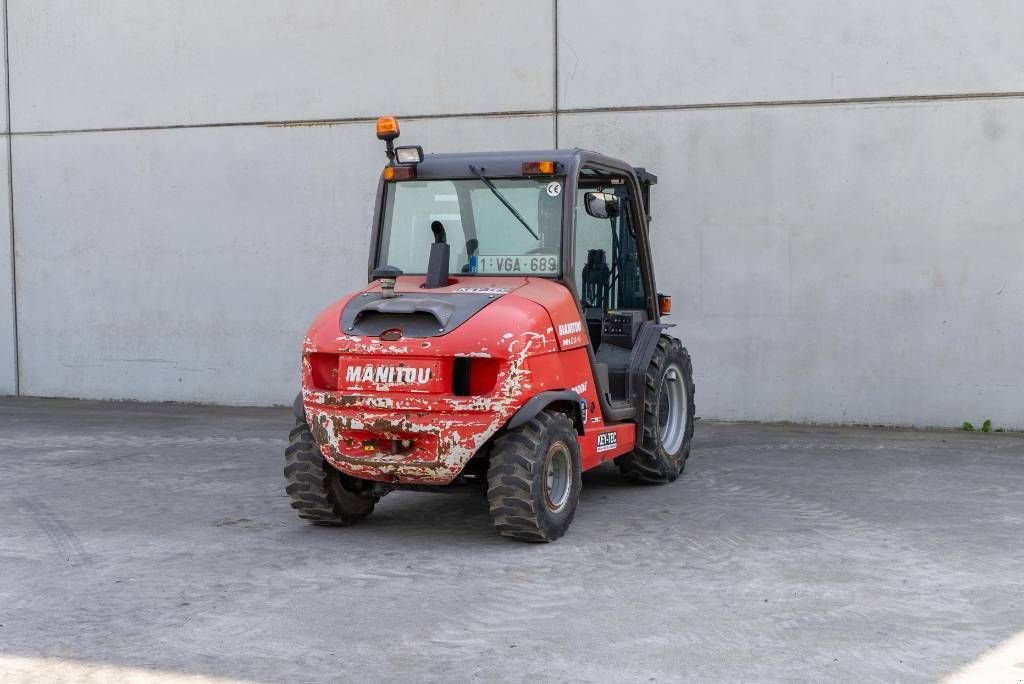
column 504, row 201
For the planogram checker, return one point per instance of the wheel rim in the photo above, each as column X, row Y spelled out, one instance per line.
column 557, row 477
column 673, row 410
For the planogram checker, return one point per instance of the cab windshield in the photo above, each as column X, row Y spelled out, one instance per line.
column 486, row 235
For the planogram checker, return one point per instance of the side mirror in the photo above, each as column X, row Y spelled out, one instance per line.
column 602, row 205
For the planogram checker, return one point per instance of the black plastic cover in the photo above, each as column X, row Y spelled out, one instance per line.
column 416, row 315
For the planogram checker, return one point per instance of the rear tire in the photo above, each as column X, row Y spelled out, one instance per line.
column 667, row 423
column 534, row 479
column 320, row 493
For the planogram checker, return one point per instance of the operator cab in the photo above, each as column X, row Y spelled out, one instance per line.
column 573, row 216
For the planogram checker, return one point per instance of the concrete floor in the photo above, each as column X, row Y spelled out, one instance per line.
column 155, row 540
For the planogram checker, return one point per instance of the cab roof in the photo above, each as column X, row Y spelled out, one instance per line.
column 510, row 163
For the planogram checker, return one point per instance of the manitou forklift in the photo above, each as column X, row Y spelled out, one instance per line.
column 510, row 338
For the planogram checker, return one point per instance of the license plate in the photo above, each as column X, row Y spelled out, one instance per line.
column 407, row 375
column 544, row 264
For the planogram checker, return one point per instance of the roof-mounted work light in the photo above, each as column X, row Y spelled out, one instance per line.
column 412, row 154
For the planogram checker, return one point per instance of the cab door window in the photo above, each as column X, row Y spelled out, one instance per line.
column 607, row 261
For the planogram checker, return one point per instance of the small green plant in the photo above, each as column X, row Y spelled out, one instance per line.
column 986, row 426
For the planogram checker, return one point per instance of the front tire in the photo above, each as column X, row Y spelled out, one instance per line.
column 320, row 493
column 534, row 479
column 667, row 423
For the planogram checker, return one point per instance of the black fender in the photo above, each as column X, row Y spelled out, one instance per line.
column 298, row 409
column 539, row 402
column 643, row 350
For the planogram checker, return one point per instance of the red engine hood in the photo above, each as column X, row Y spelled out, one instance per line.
column 503, row 313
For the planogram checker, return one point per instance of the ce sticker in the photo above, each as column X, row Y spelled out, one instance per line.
column 554, row 189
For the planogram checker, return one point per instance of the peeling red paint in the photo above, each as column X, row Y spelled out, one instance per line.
column 436, row 431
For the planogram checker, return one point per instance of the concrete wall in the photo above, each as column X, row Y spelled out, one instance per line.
column 838, row 218
column 159, row 263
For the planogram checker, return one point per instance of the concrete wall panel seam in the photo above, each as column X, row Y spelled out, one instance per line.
column 555, row 111
column 294, row 123
column 10, row 206
column 554, row 64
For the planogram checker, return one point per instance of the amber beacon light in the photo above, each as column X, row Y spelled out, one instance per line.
column 387, row 128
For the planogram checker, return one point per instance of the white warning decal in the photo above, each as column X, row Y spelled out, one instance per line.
column 483, row 290
column 554, row 189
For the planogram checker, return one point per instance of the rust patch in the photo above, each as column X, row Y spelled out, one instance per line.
column 319, row 433
column 444, row 431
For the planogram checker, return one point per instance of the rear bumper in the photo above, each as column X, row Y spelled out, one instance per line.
column 401, row 439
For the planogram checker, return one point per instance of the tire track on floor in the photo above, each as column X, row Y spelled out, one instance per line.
column 57, row 531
